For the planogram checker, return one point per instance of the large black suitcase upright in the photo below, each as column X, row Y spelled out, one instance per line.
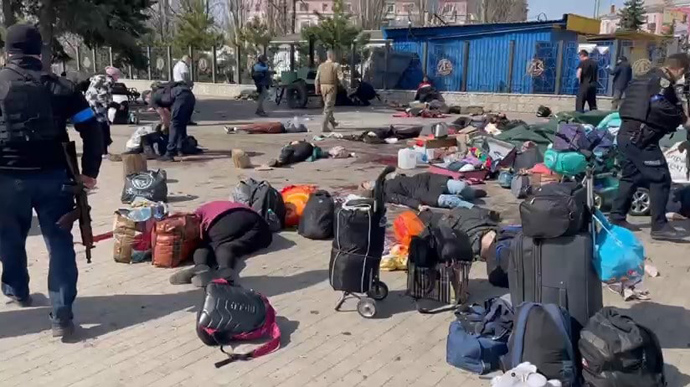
column 556, row 271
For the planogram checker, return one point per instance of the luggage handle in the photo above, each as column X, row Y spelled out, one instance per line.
column 606, row 226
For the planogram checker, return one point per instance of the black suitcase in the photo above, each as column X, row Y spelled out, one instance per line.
column 556, row 271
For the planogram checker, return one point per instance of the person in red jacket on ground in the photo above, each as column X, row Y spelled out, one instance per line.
column 229, row 231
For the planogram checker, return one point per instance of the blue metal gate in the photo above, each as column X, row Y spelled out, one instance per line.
column 602, row 56
column 445, row 65
column 542, row 69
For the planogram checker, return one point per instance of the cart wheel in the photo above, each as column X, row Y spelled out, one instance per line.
column 379, row 291
column 366, row 307
column 297, row 97
column 640, row 203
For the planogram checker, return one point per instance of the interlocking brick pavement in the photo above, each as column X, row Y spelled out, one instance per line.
column 138, row 330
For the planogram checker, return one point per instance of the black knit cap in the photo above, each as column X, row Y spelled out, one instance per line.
column 23, row 39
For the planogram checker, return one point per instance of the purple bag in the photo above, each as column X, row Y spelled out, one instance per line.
column 571, row 137
column 602, row 141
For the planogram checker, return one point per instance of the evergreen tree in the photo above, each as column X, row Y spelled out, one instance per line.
column 632, row 15
column 115, row 23
column 336, row 32
column 196, row 27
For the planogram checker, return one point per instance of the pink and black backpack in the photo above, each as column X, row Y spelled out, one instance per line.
column 231, row 314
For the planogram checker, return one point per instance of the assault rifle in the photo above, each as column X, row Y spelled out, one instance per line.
column 82, row 210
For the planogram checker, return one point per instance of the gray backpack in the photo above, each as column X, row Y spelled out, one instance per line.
column 264, row 199
column 520, row 186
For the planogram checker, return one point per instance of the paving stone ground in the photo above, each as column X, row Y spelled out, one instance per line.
column 138, row 330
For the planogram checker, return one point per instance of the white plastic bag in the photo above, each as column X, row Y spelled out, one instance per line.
column 134, row 142
column 524, row 375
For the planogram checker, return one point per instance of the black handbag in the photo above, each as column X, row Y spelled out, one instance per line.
column 151, row 185
column 555, row 210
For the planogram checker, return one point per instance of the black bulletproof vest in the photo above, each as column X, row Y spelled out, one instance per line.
column 26, row 108
column 646, row 101
column 635, row 105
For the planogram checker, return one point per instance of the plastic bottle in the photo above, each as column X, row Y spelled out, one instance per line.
column 407, row 159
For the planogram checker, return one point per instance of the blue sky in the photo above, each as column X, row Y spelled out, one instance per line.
column 554, row 9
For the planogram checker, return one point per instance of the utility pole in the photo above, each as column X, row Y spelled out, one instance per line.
column 597, row 4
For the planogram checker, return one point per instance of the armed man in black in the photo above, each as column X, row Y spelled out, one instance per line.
column 34, row 109
column 650, row 110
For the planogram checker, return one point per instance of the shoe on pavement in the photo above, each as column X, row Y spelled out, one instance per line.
column 625, row 224
column 668, row 233
column 202, row 279
column 24, row 302
column 192, row 123
column 63, row 329
column 262, row 114
column 185, row 275
column 167, row 158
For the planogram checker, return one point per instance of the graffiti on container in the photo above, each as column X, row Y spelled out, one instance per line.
column 535, row 68
column 444, row 67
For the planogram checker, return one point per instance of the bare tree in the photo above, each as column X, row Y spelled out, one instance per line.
column 502, row 11
column 421, row 13
column 237, row 11
column 369, row 14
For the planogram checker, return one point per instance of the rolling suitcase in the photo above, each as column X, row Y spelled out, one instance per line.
column 556, row 271
column 360, row 231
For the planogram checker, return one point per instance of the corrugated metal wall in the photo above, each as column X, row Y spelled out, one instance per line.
column 414, row 73
column 534, row 60
column 489, row 60
column 445, row 64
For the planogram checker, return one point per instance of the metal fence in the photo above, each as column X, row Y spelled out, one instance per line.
column 213, row 65
column 507, row 66
column 512, row 66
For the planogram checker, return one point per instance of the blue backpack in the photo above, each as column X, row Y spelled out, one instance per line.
column 478, row 338
column 543, row 336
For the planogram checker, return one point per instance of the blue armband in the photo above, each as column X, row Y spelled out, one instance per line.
column 83, row 116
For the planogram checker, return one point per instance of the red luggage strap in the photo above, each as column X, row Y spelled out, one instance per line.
column 269, row 328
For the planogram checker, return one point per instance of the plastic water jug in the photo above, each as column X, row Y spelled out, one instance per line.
column 407, row 159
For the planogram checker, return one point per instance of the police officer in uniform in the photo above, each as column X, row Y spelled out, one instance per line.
column 650, row 110
column 34, row 109
column 174, row 102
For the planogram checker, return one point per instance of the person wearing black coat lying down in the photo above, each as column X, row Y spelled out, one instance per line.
column 426, row 190
column 229, row 231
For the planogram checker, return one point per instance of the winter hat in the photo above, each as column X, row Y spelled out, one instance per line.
column 113, row 72
column 23, row 39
